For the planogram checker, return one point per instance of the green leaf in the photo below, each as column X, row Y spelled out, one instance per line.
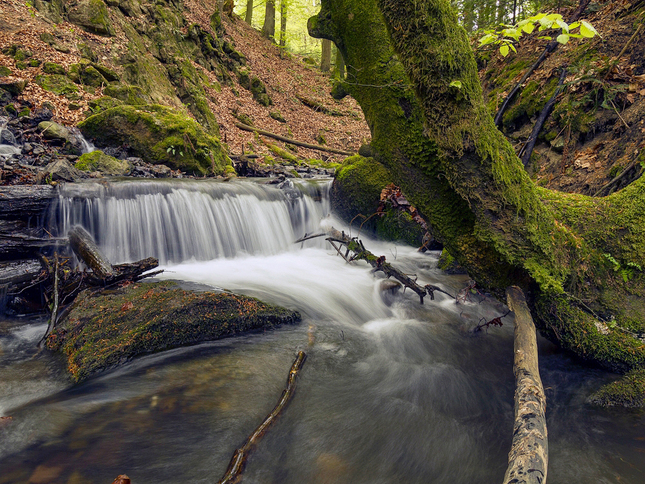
column 504, row 50
column 563, row 38
column 587, row 30
column 544, row 37
column 456, row 84
column 574, row 25
column 554, row 16
column 487, row 39
column 528, row 28
column 513, row 48
column 563, row 25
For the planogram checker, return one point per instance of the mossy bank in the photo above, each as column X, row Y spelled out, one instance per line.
column 106, row 329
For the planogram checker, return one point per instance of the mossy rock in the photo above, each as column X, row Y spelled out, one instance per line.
column 449, row 264
column 107, row 329
column 51, row 9
column 103, row 103
column 13, row 86
column 35, row 62
column 22, row 65
column 4, row 71
column 629, row 391
column 105, row 164
column 58, row 84
column 86, row 51
column 398, row 225
column 22, row 55
column 128, row 94
column 53, row 68
column 277, row 116
column 357, row 187
column 92, row 77
column 91, row 15
column 159, row 135
column 107, row 73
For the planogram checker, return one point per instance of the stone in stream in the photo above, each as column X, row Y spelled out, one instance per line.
column 106, row 329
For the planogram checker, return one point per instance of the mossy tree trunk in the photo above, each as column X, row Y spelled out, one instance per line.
column 268, row 29
column 578, row 258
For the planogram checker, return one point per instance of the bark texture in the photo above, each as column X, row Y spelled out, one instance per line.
column 578, row 257
column 529, row 455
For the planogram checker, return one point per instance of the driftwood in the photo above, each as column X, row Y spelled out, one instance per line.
column 54, row 313
column 86, row 249
column 316, row 106
column 292, row 141
column 378, row 263
column 236, row 466
column 544, row 115
column 528, row 458
column 550, row 47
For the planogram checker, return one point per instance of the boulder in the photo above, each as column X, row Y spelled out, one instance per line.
column 13, row 85
column 58, row 84
column 104, row 164
column 106, row 329
column 58, row 133
column 159, row 135
column 61, row 170
column 91, row 15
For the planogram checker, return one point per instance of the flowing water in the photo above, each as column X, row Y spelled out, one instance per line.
column 390, row 393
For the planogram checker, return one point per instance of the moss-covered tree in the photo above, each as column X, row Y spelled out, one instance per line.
column 578, row 258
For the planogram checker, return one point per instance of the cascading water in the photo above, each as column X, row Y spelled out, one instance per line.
column 8, row 146
column 389, row 393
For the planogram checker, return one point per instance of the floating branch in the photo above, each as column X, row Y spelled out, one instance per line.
column 529, row 455
column 493, row 322
column 236, row 466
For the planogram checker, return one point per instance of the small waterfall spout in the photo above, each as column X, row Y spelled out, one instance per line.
column 8, row 146
column 178, row 221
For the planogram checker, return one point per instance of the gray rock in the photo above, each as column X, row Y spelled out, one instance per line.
column 61, row 170
column 13, row 85
column 7, row 137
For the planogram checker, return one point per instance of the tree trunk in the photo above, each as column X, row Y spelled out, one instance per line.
column 248, row 18
column 283, row 23
column 325, row 58
column 340, row 63
column 465, row 179
column 268, row 29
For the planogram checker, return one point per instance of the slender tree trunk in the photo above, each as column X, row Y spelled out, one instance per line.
column 465, row 179
column 248, row 18
column 325, row 58
column 283, row 23
column 268, row 29
column 339, row 62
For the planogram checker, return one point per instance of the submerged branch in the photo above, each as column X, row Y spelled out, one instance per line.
column 236, row 466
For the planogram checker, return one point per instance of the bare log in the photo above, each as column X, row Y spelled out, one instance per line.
column 24, row 201
column 292, row 141
column 18, row 274
column 544, row 115
column 529, row 455
column 54, row 314
column 86, row 249
column 236, row 466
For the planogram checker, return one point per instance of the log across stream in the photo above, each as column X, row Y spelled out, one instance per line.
column 389, row 394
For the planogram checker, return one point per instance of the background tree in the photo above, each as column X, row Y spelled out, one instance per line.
column 325, row 60
column 283, row 23
column 268, row 29
column 248, row 16
column 576, row 257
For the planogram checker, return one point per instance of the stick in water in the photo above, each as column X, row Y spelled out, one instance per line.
column 236, row 466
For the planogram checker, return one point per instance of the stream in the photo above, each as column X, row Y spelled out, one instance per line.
column 391, row 392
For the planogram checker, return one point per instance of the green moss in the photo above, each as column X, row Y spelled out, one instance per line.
column 530, row 103
column 127, row 94
column 22, row 65
column 102, row 103
column 34, row 62
column 629, row 391
column 4, row 71
column 91, row 15
column 22, row 55
column 397, row 225
column 284, row 154
column 24, row 112
column 107, row 73
column 53, row 68
column 107, row 329
column 159, row 134
column 57, row 84
column 99, row 161
column 92, row 77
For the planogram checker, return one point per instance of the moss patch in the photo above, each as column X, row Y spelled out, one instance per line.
column 99, row 161
column 107, row 329
column 159, row 135
column 58, row 84
column 629, row 391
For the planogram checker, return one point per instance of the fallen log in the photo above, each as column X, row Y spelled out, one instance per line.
column 529, row 455
column 236, row 466
column 292, row 141
column 316, row 106
column 86, row 249
column 544, row 115
column 19, row 274
column 20, row 202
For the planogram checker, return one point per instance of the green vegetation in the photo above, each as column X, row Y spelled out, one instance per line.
column 629, row 391
column 107, row 329
column 150, row 130
column 99, row 161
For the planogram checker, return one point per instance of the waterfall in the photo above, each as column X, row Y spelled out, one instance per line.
column 177, row 221
column 7, row 141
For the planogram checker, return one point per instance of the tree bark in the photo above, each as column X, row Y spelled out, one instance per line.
column 21, row 202
column 529, row 455
column 268, row 29
column 325, row 58
column 465, row 179
column 86, row 249
column 340, row 63
column 248, row 17
column 283, row 23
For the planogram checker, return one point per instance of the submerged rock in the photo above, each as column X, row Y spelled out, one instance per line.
column 106, row 329
column 629, row 391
